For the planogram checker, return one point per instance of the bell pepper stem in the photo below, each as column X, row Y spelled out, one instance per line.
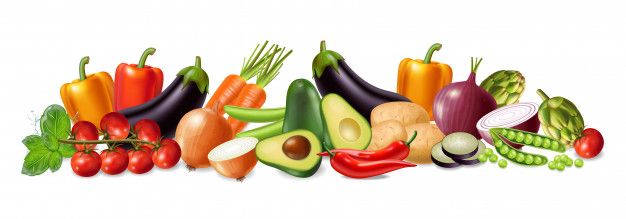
column 323, row 46
column 542, row 94
column 411, row 139
column 431, row 51
column 144, row 56
column 81, row 67
column 198, row 62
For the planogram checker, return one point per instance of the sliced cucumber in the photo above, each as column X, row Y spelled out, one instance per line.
column 474, row 159
column 460, row 145
column 441, row 159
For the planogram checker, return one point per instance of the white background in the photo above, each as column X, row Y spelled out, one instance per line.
column 574, row 49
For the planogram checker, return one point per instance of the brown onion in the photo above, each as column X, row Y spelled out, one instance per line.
column 198, row 132
column 234, row 158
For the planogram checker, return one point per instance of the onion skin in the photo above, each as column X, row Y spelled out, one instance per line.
column 460, row 105
column 236, row 168
column 198, row 132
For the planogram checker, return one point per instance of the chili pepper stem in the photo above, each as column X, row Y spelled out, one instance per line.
column 411, row 139
column 81, row 67
column 330, row 153
column 543, row 95
column 67, row 141
column 431, row 51
column 144, row 57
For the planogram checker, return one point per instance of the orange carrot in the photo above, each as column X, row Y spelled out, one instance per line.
column 253, row 95
column 232, row 84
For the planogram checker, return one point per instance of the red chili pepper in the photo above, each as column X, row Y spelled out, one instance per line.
column 352, row 167
column 397, row 150
column 137, row 84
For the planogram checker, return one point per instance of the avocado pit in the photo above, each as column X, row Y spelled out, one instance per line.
column 297, row 147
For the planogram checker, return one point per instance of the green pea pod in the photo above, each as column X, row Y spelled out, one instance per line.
column 254, row 114
column 263, row 132
column 560, row 119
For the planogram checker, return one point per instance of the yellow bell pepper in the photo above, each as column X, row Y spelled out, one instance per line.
column 90, row 97
column 421, row 80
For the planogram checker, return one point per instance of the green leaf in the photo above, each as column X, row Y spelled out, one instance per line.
column 51, row 142
column 55, row 161
column 34, row 142
column 55, row 124
column 36, row 162
column 66, row 150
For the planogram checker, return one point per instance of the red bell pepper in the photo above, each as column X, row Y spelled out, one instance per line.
column 136, row 84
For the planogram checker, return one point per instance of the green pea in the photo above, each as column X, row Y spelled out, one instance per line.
column 502, row 163
column 520, row 157
column 568, row 162
column 512, row 154
column 493, row 158
column 504, row 150
column 546, row 143
column 537, row 141
column 552, row 165
column 538, row 160
column 579, row 162
column 554, row 145
column 560, row 166
column 488, row 151
column 519, row 137
column 482, row 158
column 510, row 135
column 529, row 139
column 498, row 143
column 529, row 159
column 557, row 158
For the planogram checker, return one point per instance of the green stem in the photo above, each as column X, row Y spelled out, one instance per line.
column 198, row 62
column 411, row 139
column 475, row 63
column 144, row 56
column 542, row 94
column 67, row 141
column 81, row 67
column 328, row 150
column 431, row 51
column 323, row 46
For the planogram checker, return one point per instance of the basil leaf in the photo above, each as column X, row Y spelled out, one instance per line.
column 55, row 161
column 34, row 142
column 66, row 150
column 55, row 124
column 36, row 162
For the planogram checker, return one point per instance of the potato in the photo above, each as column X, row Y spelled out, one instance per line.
column 427, row 136
column 385, row 133
column 404, row 112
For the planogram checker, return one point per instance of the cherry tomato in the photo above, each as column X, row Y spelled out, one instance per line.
column 139, row 161
column 590, row 144
column 115, row 126
column 85, row 130
column 148, row 130
column 85, row 163
column 167, row 155
column 114, row 161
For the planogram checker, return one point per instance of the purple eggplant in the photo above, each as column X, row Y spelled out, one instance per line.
column 333, row 75
column 187, row 92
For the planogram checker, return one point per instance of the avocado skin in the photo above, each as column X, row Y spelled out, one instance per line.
column 297, row 173
column 302, row 108
column 301, row 174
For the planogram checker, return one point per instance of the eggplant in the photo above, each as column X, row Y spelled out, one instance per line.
column 187, row 92
column 333, row 75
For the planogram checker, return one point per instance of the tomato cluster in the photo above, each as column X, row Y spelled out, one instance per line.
column 148, row 149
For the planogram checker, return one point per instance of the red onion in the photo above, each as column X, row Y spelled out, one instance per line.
column 521, row 116
column 459, row 106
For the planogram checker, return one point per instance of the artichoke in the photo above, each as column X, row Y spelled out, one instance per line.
column 506, row 86
column 560, row 119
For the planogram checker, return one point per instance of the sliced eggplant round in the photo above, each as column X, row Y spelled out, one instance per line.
column 474, row 159
column 441, row 159
column 460, row 145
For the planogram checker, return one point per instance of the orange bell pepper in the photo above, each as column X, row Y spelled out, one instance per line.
column 421, row 80
column 90, row 97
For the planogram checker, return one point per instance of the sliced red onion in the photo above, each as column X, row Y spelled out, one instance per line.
column 522, row 116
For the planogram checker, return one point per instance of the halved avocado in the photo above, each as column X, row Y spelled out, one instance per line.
column 344, row 126
column 293, row 152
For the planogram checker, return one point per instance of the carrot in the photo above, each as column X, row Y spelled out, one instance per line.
column 253, row 95
column 232, row 84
